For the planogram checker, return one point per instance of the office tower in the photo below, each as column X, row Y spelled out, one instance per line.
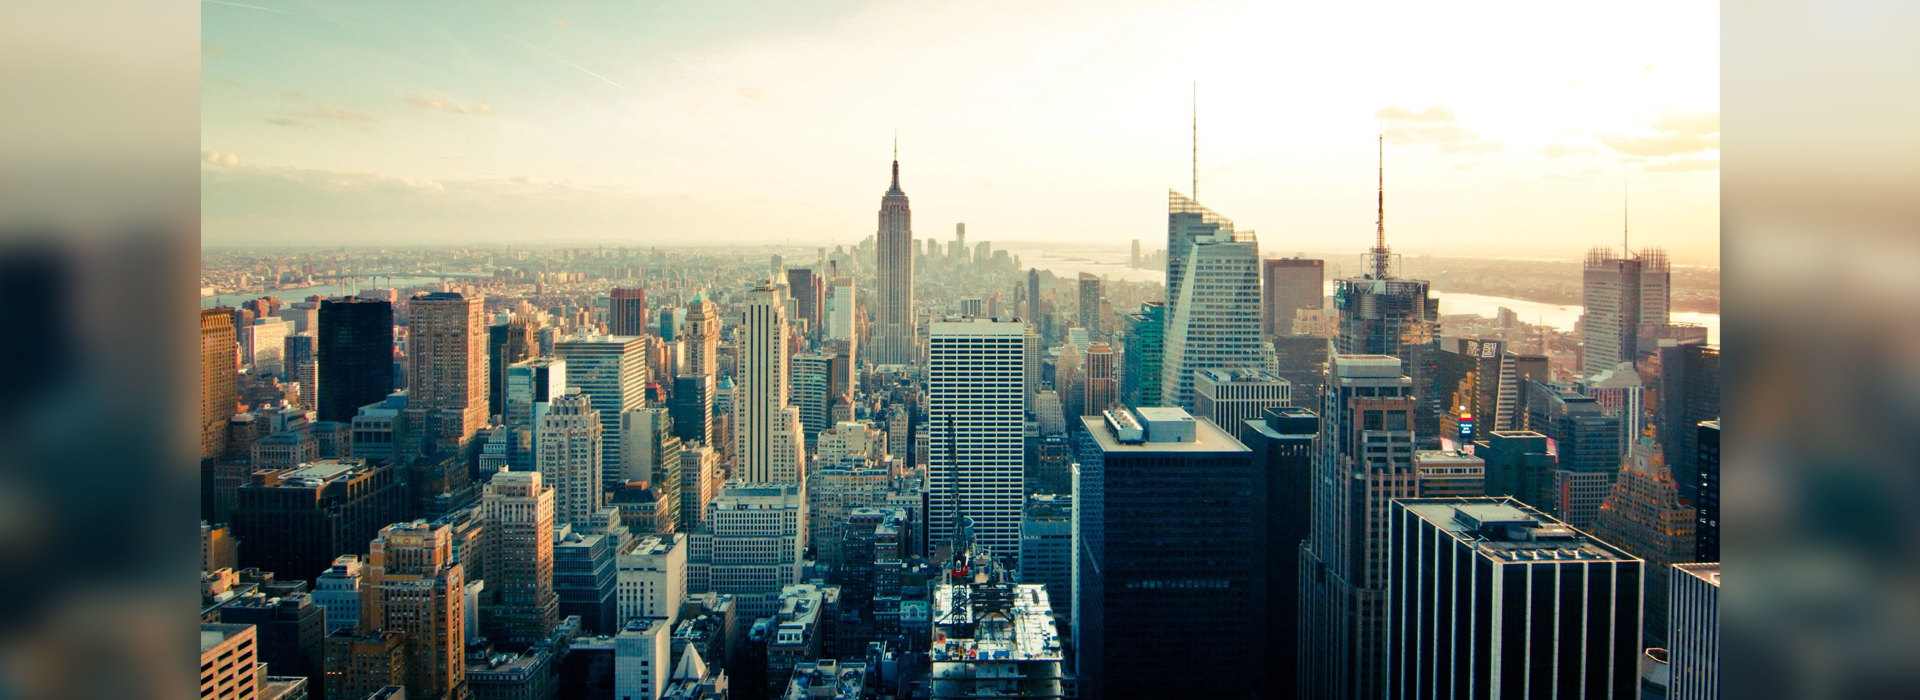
column 1046, row 549
column 569, row 454
column 1645, row 517
column 1302, row 361
column 337, row 590
column 1490, row 598
column 294, row 523
column 642, row 659
column 1449, row 473
column 627, row 311
column 1481, row 386
column 1365, row 461
column 972, row 307
column 361, row 665
column 702, row 335
column 531, row 385
column 1231, row 398
column 219, row 379
column 290, row 632
column 446, row 371
column 1142, row 345
column 380, row 431
column 300, row 354
column 1214, row 321
column 508, row 343
column 1282, row 443
column 841, row 308
column 754, row 544
column 520, row 511
column 261, row 344
column 820, row 380
column 1090, row 303
column 1033, row 294
column 1587, row 442
column 413, row 585
column 996, row 640
column 1689, row 393
column 1381, row 314
column 699, row 483
column 809, row 293
column 1172, row 531
column 1135, row 260
column 584, row 579
column 1621, row 393
column 229, row 669
column 1521, row 464
column 1097, row 381
column 652, row 577
column 692, row 408
column 768, row 438
column 611, row 372
column 976, row 399
column 1187, row 221
column 1707, row 496
column 653, row 456
column 1620, row 295
column 1693, row 638
column 1288, row 285
column 893, row 312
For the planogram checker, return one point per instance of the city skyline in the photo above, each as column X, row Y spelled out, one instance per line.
column 598, row 126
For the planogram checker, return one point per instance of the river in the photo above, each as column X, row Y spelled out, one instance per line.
column 300, row 293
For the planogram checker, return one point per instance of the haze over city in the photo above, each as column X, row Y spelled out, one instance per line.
column 585, row 123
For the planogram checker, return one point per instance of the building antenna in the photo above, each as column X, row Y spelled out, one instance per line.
column 1196, row 140
column 1626, row 212
column 1380, row 254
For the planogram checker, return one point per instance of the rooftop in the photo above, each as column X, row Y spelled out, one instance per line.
column 212, row 635
column 1502, row 528
column 1000, row 622
column 1207, row 437
column 1705, row 571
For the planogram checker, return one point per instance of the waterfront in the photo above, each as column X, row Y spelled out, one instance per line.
column 346, row 287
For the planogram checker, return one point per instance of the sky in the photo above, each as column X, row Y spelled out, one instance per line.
column 1510, row 129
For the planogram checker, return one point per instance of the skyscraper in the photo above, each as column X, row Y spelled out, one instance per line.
column 692, row 407
column 841, row 302
column 1522, row 465
column 1489, row 598
column 702, row 333
column 1033, row 294
column 1693, row 638
column 1187, row 221
column 1141, row 350
column 219, row 378
column 507, row 343
column 1689, row 393
column 1381, row 314
column 651, row 453
column 1587, row 442
column 520, row 513
column 1172, row 531
column 768, row 438
column 1090, row 303
column 1282, row 443
column 1620, row 295
column 754, row 544
column 976, row 405
column 295, row 523
column 611, row 371
column 627, row 311
column 1288, row 285
column 1707, row 496
column 809, row 292
column 446, row 371
column 1097, row 380
column 414, row 586
column 1231, row 398
column 893, row 340
column 1363, row 461
column 1214, row 321
column 569, row 456
column 1645, row 517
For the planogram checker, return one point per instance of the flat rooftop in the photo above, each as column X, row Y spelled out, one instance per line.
column 1207, row 437
column 1027, row 633
column 1504, row 529
column 1705, row 571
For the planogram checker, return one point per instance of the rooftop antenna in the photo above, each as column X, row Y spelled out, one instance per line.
column 1196, row 140
column 1380, row 255
column 1626, row 212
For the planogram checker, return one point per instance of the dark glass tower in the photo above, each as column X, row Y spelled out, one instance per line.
column 1707, row 462
column 1140, row 361
column 1172, row 543
column 1282, row 444
column 355, row 356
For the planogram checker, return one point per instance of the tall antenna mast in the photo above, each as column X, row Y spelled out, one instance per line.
column 1626, row 212
column 1196, row 140
column 1380, row 255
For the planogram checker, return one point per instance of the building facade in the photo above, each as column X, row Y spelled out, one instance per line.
column 976, row 399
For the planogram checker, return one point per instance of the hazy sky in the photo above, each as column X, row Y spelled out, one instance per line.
column 1510, row 127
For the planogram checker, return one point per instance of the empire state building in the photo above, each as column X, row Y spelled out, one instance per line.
column 894, row 338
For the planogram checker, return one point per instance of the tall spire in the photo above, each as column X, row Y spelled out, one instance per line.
column 895, row 189
column 1196, row 140
column 1379, row 253
column 1626, row 212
